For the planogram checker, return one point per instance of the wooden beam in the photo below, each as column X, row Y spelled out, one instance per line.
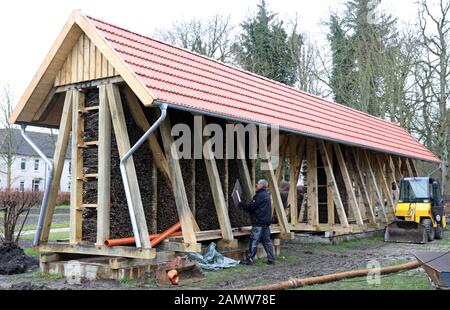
column 332, row 185
column 353, row 202
column 123, row 145
column 104, row 168
column 181, row 201
column 244, row 173
column 284, row 143
column 412, row 167
column 373, row 183
column 392, row 177
column 387, row 187
column 363, row 188
column 58, row 163
column 139, row 117
column 330, row 196
column 311, row 181
column 154, row 203
column 216, row 188
column 43, row 108
column 276, row 197
column 297, row 149
column 76, row 195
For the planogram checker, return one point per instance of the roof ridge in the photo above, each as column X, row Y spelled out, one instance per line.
column 241, row 70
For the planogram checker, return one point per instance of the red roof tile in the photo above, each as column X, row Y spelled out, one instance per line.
column 189, row 80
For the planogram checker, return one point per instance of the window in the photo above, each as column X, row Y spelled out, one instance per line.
column 35, row 185
column 23, row 164
column 36, row 165
column 22, row 186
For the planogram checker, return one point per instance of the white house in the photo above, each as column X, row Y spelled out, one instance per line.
column 28, row 170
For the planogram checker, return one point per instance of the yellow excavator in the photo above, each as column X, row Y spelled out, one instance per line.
column 419, row 212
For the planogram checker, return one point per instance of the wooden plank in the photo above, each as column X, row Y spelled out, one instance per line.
column 110, row 69
column 104, row 168
column 58, row 163
column 311, row 183
column 373, row 183
column 116, row 251
column 74, row 65
column 392, row 177
column 386, row 186
column 92, row 62
column 80, row 69
column 363, row 188
column 68, row 66
column 353, row 202
column 181, row 200
column 216, row 187
column 123, row 144
column 326, row 153
column 86, row 58
column 276, row 197
column 140, row 119
column 98, row 63
column 104, row 66
column 76, row 195
column 296, row 155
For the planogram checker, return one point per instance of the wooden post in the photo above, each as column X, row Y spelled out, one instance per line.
column 348, row 185
column 392, row 178
column 276, row 198
column 330, row 194
column 123, row 145
column 373, row 182
column 363, row 189
column 387, row 188
column 104, row 168
column 154, row 206
column 184, row 212
column 284, row 143
column 412, row 167
column 193, row 181
column 58, row 162
column 312, row 187
column 217, row 191
column 332, row 185
column 244, row 173
column 76, row 195
column 296, row 156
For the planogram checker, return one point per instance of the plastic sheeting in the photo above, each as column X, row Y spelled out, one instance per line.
column 212, row 260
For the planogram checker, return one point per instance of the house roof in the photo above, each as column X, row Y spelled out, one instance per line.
column 162, row 73
column 45, row 141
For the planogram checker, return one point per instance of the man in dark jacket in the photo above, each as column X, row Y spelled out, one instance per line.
column 260, row 210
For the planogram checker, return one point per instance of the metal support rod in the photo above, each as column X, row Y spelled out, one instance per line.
column 123, row 172
column 48, row 182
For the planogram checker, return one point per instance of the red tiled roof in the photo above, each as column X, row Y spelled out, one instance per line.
column 186, row 79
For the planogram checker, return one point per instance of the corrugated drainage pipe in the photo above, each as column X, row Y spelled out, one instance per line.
column 48, row 182
column 123, row 161
column 294, row 283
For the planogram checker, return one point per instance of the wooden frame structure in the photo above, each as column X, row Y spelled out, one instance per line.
column 348, row 189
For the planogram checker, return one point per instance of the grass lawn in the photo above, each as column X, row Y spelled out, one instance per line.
column 54, row 225
column 407, row 280
column 53, row 236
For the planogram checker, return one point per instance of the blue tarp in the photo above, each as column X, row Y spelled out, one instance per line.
column 212, row 260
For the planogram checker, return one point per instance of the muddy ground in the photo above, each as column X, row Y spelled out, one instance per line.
column 297, row 260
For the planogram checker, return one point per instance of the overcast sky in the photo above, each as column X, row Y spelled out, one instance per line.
column 28, row 28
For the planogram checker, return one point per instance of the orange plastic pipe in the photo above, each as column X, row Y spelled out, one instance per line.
column 131, row 240
column 165, row 234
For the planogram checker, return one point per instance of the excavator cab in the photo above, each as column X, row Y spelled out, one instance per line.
column 419, row 212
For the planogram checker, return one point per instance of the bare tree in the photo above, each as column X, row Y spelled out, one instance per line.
column 211, row 37
column 435, row 30
column 7, row 154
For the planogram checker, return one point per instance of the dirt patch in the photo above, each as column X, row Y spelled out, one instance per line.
column 13, row 259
